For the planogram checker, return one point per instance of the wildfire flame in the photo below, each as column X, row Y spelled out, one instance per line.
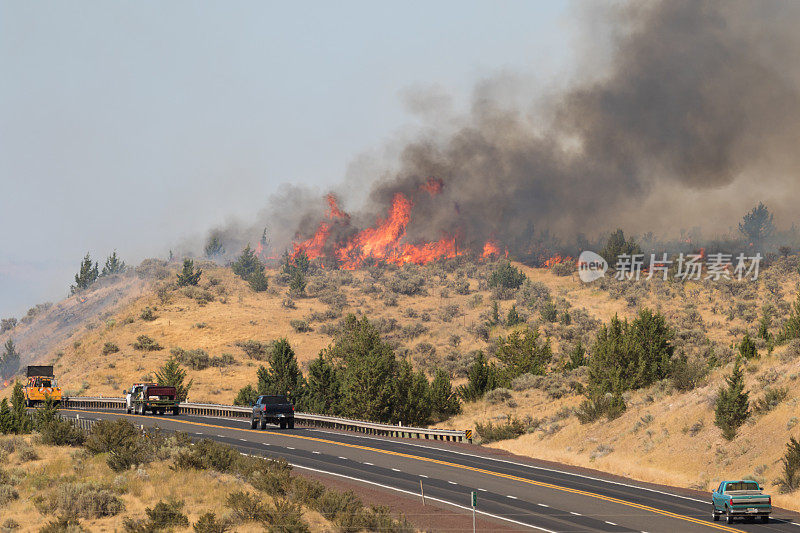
column 433, row 186
column 555, row 260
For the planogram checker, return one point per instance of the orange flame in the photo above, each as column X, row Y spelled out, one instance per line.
column 555, row 260
column 433, row 186
column 490, row 249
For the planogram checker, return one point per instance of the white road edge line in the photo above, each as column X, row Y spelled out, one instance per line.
column 515, row 463
column 464, row 507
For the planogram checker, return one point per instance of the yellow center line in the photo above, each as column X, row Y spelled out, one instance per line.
column 456, row 465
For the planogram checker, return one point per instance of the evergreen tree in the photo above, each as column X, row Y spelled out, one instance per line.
column 566, row 319
column 22, row 420
column 113, row 265
column 297, row 284
column 188, row 276
column 494, row 318
column 247, row 396
column 368, row 370
column 747, row 348
column 214, row 246
column 733, row 404
column 577, row 357
column 173, row 375
column 6, row 418
column 523, row 353
column 790, row 475
column 412, row 396
column 791, row 328
column 87, row 274
column 258, row 281
column 764, row 324
column 756, row 226
column 9, row 362
column 513, row 317
column 324, row 390
column 617, row 246
column 247, row 264
column 283, row 375
column 443, row 400
column 264, row 238
column 301, row 261
column 506, row 276
column 481, row 378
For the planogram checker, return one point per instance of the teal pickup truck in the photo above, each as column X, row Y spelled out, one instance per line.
column 740, row 499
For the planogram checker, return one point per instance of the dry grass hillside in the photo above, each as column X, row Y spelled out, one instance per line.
column 437, row 315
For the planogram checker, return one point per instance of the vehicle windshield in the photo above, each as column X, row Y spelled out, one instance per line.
column 742, row 485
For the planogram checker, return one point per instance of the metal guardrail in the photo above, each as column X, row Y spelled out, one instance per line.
column 304, row 419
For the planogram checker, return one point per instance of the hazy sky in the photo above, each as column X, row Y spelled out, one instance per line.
column 132, row 125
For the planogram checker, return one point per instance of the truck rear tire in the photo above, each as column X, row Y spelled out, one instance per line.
column 291, row 423
column 176, row 411
column 253, row 423
column 283, row 423
column 728, row 516
column 714, row 513
column 764, row 519
column 263, row 424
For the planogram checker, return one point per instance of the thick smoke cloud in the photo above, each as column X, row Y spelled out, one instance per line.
column 698, row 99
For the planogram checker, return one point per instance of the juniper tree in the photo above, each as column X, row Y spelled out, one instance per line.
column 513, row 317
column 247, row 264
column 298, row 282
column 524, row 353
column 7, row 324
column 214, row 246
column 22, row 420
column 258, row 281
column 481, row 378
column 283, row 375
column 790, row 475
column 757, row 226
column 494, row 318
column 617, row 246
column 733, row 404
column 9, row 362
column 188, row 275
column 443, row 399
column 791, row 328
column 577, row 357
column 113, row 265
column 506, row 276
column 323, row 394
column 87, row 274
column 173, row 375
column 747, row 348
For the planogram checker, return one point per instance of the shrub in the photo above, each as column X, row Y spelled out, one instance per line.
column 199, row 359
column 524, row 353
column 246, row 396
column 109, row 348
column 258, row 281
column 7, row 493
column 286, row 517
column 146, row 344
column 687, row 374
column 300, row 326
column 62, row 524
column 771, row 399
column 107, row 435
column 498, row 396
column 747, row 348
column 167, row 514
column 407, row 283
column 59, row 432
column 148, row 314
column 85, row 500
column 564, row 268
column 449, row 312
column 246, row 506
column 254, row 349
column 208, row 523
column 207, row 454
column 510, row 429
column 549, row 312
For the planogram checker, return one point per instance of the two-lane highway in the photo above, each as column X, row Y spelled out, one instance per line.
column 522, row 495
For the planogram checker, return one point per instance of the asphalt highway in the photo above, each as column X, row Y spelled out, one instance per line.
column 514, row 493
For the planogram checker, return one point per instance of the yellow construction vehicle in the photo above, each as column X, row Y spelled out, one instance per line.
column 41, row 385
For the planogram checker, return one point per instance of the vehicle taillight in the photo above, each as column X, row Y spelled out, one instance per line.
column 769, row 500
column 265, row 408
column 731, row 502
column 293, row 408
